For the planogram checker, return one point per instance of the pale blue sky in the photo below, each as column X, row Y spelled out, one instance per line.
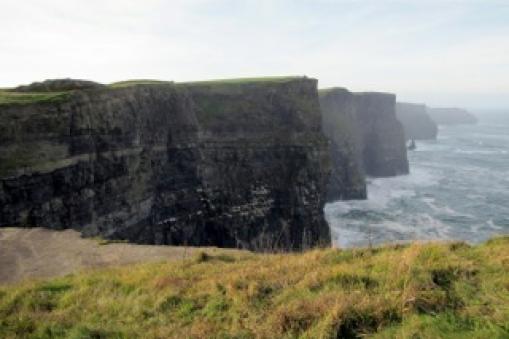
column 453, row 53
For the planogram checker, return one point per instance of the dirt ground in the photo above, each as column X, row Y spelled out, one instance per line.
column 41, row 253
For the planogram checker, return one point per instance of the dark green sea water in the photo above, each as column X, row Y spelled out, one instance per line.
column 458, row 189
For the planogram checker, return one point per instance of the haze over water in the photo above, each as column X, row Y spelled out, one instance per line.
column 458, row 189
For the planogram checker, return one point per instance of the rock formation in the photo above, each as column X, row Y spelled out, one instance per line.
column 451, row 116
column 366, row 139
column 231, row 164
column 382, row 141
column 340, row 125
column 416, row 122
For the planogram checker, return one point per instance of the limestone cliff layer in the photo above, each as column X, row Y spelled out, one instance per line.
column 417, row 124
column 232, row 164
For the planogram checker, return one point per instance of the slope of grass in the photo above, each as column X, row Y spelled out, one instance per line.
column 412, row 291
column 23, row 98
column 135, row 82
column 240, row 81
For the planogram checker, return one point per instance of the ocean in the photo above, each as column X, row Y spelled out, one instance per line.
column 458, row 189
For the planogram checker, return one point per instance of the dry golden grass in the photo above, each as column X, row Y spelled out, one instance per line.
column 436, row 290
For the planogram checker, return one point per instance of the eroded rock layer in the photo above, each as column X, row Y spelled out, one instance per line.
column 231, row 164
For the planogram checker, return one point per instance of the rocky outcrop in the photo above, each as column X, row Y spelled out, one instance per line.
column 340, row 125
column 230, row 164
column 366, row 139
column 416, row 122
column 451, row 116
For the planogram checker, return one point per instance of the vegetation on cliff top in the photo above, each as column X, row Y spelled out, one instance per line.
column 405, row 291
column 136, row 82
column 9, row 97
column 22, row 95
column 241, row 81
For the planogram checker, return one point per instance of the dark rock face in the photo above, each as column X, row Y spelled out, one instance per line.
column 416, row 122
column 235, row 165
column 451, row 116
column 382, row 141
column 340, row 125
column 365, row 137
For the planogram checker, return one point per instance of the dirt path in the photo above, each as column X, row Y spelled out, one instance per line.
column 41, row 253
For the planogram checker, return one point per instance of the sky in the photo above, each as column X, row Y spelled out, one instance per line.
column 442, row 53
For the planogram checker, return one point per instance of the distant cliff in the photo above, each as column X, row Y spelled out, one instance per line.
column 451, row 116
column 340, row 125
column 239, row 163
column 416, row 122
column 366, row 139
column 382, row 141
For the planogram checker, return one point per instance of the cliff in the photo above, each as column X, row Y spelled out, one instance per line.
column 231, row 164
column 339, row 124
column 382, row 141
column 451, row 116
column 366, row 139
column 417, row 124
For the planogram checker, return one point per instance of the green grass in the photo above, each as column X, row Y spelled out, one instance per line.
column 22, row 98
column 435, row 290
column 240, row 81
column 325, row 91
column 128, row 83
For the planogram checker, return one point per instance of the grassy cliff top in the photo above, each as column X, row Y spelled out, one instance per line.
column 242, row 81
column 435, row 290
column 325, row 91
column 9, row 97
column 136, row 82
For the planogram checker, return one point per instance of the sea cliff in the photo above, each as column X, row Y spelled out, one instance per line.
column 239, row 163
column 416, row 122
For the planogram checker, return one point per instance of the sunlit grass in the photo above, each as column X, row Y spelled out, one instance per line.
column 437, row 290
column 239, row 81
column 9, row 97
column 135, row 82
